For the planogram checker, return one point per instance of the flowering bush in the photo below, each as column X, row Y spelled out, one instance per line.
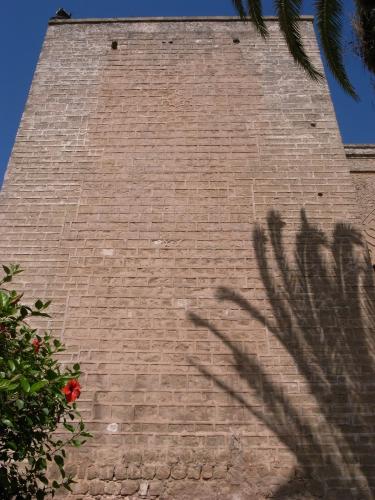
column 36, row 396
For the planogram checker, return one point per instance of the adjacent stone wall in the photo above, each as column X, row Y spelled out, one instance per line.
column 362, row 168
column 213, row 369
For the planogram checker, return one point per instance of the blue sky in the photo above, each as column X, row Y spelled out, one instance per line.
column 23, row 25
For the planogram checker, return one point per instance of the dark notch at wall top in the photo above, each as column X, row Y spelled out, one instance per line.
column 163, row 19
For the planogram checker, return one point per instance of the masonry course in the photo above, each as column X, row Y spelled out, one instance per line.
column 138, row 177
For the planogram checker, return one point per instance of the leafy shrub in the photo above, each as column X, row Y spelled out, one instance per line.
column 37, row 396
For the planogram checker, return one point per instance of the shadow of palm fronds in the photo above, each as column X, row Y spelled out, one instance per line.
column 321, row 310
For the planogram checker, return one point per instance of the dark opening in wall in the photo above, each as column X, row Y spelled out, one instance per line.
column 114, row 45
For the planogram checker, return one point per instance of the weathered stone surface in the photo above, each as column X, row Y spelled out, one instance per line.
column 106, row 472
column 81, row 487
column 220, row 471
column 121, row 471
column 129, row 487
column 112, row 488
column 156, row 488
column 163, row 471
column 148, row 471
column 194, row 471
column 362, row 168
column 92, row 472
column 96, row 487
column 133, row 196
column 134, row 472
column 207, row 471
column 178, row 471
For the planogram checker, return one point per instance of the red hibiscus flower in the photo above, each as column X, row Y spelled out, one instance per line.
column 72, row 390
column 36, row 344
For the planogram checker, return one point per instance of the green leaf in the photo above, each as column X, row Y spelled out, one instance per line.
column 7, row 422
column 288, row 12
column 43, row 479
column 11, row 387
column 37, row 313
column 24, row 312
column 55, row 485
column 59, row 460
column 4, row 299
column 45, row 411
column 38, row 304
column 76, row 367
column 50, row 374
column 25, row 384
column 69, row 427
column 37, row 386
column 67, row 486
column 6, row 269
column 12, row 445
column 4, row 384
column 20, row 404
column 256, row 15
column 11, row 365
column 329, row 22
column 15, row 298
column 86, row 434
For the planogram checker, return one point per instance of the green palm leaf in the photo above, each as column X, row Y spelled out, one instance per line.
column 329, row 23
column 329, row 14
column 238, row 5
column 288, row 12
column 255, row 12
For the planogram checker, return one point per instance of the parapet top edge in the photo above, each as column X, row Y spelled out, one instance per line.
column 162, row 19
column 359, row 151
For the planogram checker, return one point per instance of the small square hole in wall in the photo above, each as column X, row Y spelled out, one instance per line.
column 236, row 40
column 114, row 45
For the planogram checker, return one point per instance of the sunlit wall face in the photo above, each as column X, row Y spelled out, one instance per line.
column 180, row 190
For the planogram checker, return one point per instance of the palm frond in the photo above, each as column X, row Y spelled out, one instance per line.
column 288, row 12
column 328, row 13
column 256, row 15
column 254, row 10
column 238, row 5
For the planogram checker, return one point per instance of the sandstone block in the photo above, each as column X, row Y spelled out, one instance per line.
column 163, row 471
column 129, row 487
column 178, row 471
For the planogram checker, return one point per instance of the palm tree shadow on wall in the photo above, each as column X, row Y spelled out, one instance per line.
column 321, row 310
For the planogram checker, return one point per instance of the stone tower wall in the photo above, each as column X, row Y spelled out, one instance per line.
column 362, row 169
column 135, row 198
